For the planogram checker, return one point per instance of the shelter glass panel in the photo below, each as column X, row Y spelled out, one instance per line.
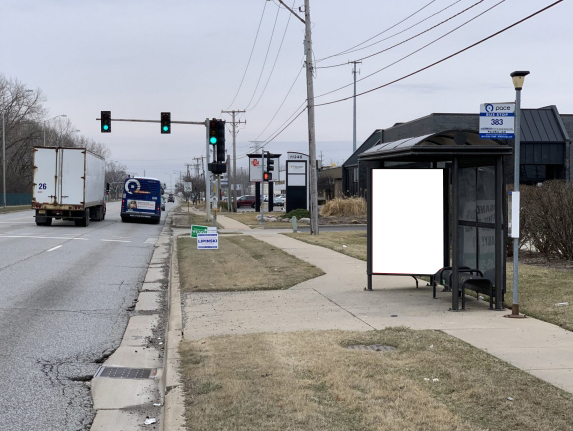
column 467, row 198
column 486, row 249
column 486, row 194
column 467, row 250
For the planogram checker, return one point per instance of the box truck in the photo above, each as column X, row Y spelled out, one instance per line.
column 69, row 184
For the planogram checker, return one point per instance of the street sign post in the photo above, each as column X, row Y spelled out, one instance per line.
column 187, row 187
column 497, row 120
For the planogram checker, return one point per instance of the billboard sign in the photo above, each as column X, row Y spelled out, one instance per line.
column 256, row 170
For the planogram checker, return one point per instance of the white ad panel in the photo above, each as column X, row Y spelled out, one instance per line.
column 296, row 180
column 407, row 221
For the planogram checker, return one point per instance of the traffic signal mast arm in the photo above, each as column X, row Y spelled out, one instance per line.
column 199, row 123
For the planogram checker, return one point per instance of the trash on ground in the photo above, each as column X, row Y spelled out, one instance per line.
column 562, row 304
column 432, row 346
column 150, row 421
column 435, row 379
column 509, row 398
column 426, row 379
column 157, row 404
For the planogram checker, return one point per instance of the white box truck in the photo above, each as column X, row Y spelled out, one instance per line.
column 69, row 184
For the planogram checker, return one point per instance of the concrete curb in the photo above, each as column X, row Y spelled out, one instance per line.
column 173, row 410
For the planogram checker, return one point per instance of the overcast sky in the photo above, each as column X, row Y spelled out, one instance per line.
column 140, row 57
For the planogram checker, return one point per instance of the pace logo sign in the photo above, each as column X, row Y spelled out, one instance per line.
column 207, row 241
column 497, row 120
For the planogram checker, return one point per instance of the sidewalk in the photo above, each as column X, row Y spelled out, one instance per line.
column 337, row 300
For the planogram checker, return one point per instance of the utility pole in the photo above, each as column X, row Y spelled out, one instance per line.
column 233, row 180
column 354, row 72
column 310, row 111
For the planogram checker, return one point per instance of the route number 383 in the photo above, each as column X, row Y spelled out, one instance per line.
column 42, row 186
column 497, row 122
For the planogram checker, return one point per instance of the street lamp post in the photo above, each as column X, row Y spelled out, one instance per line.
column 44, row 125
column 518, row 77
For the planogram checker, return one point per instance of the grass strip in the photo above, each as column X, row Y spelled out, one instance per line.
column 248, row 218
column 310, row 381
column 351, row 243
column 241, row 263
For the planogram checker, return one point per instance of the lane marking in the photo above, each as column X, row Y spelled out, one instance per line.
column 54, row 248
column 41, row 237
column 114, row 240
column 17, row 222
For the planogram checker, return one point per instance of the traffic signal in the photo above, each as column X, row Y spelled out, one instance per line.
column 105, row 121
column 270, row 164
column 213, row 132
column 220, row 141
column 165, row 122
column 267, row 176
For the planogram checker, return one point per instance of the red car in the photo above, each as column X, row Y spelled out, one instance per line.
column 246, row 201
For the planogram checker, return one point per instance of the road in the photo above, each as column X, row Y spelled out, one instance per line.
column 66, row 295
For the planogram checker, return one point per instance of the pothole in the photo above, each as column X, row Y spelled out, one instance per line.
column 372, row 347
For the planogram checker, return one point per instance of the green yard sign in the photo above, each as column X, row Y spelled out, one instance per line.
column 198, row 229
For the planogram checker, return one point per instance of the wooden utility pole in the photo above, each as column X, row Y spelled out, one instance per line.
column 310, row 112
column 233, row 180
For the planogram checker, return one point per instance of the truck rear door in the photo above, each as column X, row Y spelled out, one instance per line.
column 72, row 168
column 45, row 176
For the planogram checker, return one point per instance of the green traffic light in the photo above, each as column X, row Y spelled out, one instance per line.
column 213, row 140
column 165, row 128
column 105, row 127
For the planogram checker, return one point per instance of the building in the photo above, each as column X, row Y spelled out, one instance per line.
column 545, row 145
column 330, row 182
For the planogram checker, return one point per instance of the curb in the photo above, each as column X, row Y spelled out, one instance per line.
column 173, row 410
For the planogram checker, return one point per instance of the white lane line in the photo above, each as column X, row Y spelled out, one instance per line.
column 54, row 248
column 114, row 240
column 17, row 222
column 41, row 237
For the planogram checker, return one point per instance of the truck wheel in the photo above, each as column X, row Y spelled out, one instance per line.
column 79, row 222
column 48, row 222
column 39, row 223
column 86, row 221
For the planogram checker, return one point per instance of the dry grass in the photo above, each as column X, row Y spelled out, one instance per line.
column 15, row 208
column 539, row 290
column 248, row 218
column 354, row 240
column 185, row 219
column 344, row 207
column 309, row 381
column 241, row 263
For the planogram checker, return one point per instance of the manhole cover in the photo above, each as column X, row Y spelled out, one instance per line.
column 125, row 373
column 372, row 347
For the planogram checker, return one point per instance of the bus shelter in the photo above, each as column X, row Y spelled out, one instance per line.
column 437, row 201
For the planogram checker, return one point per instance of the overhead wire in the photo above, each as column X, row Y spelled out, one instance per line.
column 413, row 52
column 265, row 60
column 445, row 58
column 406, row 40
column 275, row 62
column 250, row 56
column 382, row 32
column 401, row 31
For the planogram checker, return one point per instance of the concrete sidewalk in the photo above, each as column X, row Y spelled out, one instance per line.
column 337, row 300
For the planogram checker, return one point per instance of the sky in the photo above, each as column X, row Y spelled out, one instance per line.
column 138, row 58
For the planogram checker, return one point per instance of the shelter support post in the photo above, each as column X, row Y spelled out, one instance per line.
column 369, row 228
column 446, row 209
column 455, row 219
column 499, row 237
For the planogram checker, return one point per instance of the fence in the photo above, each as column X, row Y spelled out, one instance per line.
column 16, row 199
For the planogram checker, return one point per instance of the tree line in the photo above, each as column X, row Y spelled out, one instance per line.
column 27, row 124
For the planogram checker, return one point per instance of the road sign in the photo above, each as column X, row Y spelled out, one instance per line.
column 195, row 229
column 207, row 241
column 497, row 120
column 187, row 186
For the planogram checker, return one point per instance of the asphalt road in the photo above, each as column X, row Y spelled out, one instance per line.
column 66, row 294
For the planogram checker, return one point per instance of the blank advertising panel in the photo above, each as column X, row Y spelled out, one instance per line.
column 407, row 221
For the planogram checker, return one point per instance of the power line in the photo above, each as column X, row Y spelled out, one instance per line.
column 265, row 61
column 250, row 56
column 275, row 63
column 281, row 105
column 376, row 35
column 448, row 57
column 406, row 40
column 416, row 51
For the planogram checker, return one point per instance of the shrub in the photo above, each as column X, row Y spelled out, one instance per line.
column 344, row 207
column 298, row 213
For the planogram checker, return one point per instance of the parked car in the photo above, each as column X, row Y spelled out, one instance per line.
column 246, row 201
column 279, row 201
column 162, row 203
column 171, row 198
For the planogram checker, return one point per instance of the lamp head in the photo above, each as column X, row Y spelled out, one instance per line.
column 518, row 77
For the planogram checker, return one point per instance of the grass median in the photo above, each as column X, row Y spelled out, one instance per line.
column 241, row 263
column 310, row 381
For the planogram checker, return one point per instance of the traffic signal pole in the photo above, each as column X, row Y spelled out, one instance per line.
column 207, row 173
column 263, row 187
